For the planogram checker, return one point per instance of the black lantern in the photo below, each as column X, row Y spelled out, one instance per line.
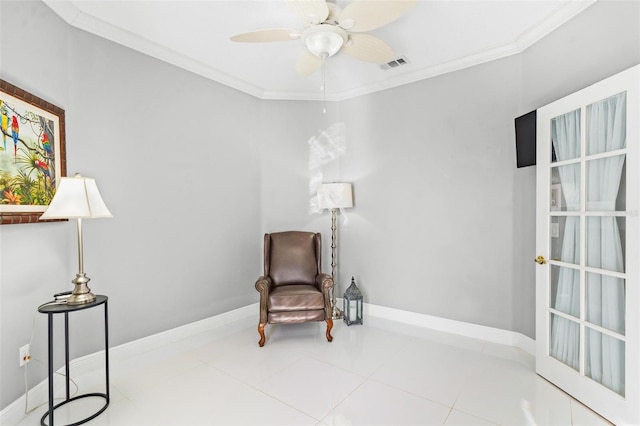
column 352, row 304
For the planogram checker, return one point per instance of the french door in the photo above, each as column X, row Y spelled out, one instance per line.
column 587, row 241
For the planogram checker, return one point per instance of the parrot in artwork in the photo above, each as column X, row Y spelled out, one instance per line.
column 15, row 130
column 43, row 168
column 5, row 126
column 46, row 145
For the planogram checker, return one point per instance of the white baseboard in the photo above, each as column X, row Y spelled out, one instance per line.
column 481, row 332
column 222, row 324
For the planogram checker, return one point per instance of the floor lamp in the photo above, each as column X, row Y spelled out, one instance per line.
column 334, row 196
column 78, row 198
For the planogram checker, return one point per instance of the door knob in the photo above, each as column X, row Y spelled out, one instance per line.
column 540, row 260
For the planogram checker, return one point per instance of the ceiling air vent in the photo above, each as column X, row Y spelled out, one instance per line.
column 395, row 63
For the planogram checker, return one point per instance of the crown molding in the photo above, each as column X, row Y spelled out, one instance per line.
column 83, row 21
column 523, row 42
column 78, row 19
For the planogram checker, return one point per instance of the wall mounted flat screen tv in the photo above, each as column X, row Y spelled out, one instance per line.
column 526, row 139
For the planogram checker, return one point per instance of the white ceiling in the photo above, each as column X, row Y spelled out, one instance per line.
column 435, row 36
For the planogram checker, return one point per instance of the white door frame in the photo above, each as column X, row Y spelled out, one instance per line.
column 620, row 410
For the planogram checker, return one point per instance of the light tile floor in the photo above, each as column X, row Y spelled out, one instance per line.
column 379, row 373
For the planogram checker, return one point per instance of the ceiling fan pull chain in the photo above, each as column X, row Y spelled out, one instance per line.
column 323, row 73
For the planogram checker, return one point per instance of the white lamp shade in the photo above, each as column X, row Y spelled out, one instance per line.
column 77, row 197
column 335, row 195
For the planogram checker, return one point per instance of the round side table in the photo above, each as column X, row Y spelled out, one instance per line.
column 51, row 309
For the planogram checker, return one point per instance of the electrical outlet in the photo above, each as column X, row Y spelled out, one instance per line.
column 25, row 354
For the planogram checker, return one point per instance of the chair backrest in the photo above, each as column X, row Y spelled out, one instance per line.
column 292, row 257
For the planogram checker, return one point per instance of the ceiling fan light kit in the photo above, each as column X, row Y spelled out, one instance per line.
column 331, row 29
column 324, row 40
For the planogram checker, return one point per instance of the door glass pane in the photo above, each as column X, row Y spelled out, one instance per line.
column 558, row 203
column 606, row 242
column 565, row 341
column 621, row 200
column 606, row 124
column 606, row 301
column 565, row 136
column 566, row 246
column 563, row 233
column 565, row 188
column 556, row 234
column 565, row 290
column 604, row 361
column 605, row 187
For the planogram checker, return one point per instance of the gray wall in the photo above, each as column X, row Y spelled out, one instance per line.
column 195, row 172
column 444, row 222
column 440, row 177
column 176, row 159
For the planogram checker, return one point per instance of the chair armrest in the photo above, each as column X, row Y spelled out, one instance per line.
column 263, row 285
column 324, row 282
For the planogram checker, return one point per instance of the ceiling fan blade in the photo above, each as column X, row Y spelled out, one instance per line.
column 308, row 63
column 312, row 12
column 368, row 48
column 276, row 34
column 365, row 15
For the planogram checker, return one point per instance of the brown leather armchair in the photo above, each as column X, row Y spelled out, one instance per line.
column 293, row 289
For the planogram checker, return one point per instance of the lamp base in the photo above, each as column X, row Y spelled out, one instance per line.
column 79, row 299
column 81, row 292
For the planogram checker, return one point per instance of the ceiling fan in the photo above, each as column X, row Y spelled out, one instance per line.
column 331, row 29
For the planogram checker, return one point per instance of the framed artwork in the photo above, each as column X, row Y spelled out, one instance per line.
column 32, row 154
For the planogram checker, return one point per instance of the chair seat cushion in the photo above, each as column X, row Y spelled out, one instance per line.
column 296, row 317
column 295, row 297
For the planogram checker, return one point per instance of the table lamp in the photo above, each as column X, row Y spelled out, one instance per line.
column 77, row 198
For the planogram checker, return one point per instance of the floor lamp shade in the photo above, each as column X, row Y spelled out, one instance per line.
column 335, row 195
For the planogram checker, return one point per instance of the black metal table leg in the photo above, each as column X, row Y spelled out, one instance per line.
column 66, row 352
column 106, row 350
column 50, row 354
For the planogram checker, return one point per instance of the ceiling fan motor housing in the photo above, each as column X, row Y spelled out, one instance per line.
column 324, row 40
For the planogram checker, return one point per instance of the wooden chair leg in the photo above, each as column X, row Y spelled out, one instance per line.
column 329, row 327
column 261, row 331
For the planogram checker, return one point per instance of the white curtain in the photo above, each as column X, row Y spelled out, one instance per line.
column 565, row 334
column 606, row 131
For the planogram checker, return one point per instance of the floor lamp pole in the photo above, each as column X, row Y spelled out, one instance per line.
column 336, row 313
